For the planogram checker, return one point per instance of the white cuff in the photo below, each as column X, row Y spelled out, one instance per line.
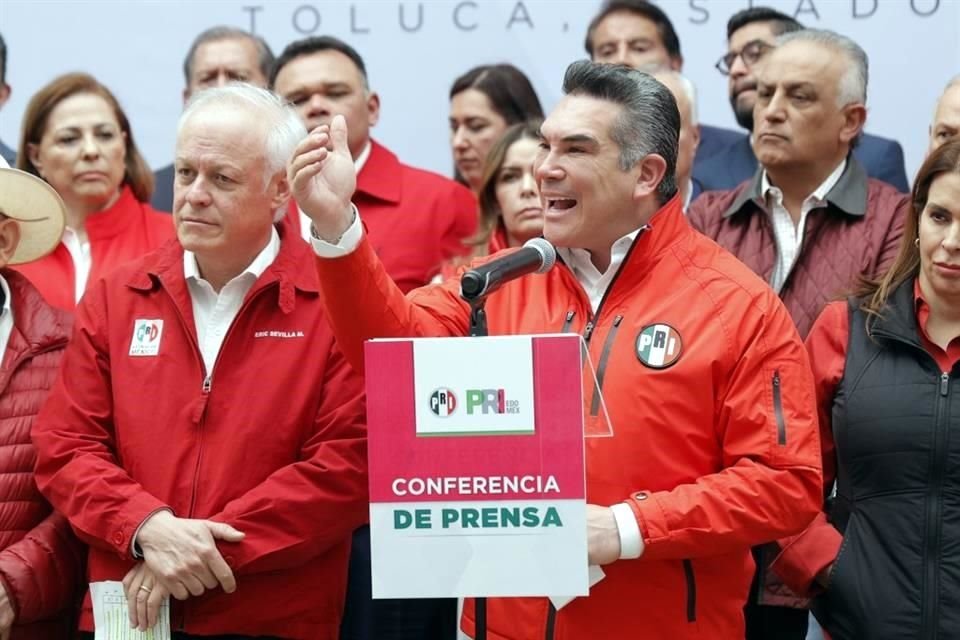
column 345, row 245
column 631, row 542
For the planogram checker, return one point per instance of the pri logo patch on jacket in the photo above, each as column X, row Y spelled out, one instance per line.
column 659, row 346
column 146, row 337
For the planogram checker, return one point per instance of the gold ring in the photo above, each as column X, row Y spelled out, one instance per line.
column 143, row 588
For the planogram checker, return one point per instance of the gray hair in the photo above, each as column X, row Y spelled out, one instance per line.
column 215, row 34
column 284, row 128
column 649, row 122
column 689, row 89
column 853, row 82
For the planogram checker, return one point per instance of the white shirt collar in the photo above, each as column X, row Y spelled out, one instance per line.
column 819, row 195
column 191, row 270
column 594, row 283
column 363, row 157
column 7, row 306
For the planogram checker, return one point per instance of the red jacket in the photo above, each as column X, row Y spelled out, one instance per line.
column 714, row 453
column 416, row 219
column 124, row 232
column 856, row 234
column 272, row 441
column 41, row 561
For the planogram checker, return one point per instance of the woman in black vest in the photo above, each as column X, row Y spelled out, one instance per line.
column 883, row 560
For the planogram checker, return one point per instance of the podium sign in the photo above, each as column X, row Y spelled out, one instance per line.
column 476, row 466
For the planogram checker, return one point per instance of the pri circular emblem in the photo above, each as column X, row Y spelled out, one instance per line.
column 659, row 346
column 443, row 402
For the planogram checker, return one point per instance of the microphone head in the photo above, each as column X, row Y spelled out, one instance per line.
column 546, row 250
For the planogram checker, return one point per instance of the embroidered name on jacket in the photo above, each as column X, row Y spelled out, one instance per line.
column 278, row 334
column 146, row 337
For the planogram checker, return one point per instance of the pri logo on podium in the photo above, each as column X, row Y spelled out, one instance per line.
column 443, row 402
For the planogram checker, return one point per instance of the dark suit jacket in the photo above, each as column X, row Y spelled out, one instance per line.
column 163, row 189
column 881, row 157
column 8, row 154
column 713, row 140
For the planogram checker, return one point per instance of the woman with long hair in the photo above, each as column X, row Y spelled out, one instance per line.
column 483, row 103
column 882, row 558
column 77, row 138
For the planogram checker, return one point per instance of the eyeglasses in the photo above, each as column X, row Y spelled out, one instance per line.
column 750, row 54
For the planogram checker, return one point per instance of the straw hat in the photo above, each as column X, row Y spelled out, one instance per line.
column 37, row 207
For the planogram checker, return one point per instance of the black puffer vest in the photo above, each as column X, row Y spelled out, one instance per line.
column 896, row 425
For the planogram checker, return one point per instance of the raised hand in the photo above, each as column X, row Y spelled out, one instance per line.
column 323, row 178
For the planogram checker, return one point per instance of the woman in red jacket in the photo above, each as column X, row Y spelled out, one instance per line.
column 882, row 559
column 77, row 138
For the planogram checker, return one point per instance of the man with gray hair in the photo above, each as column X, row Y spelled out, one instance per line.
column 946, row 117
column 238, row 487
column 702, row 464
column 685, row 95
column 810, row 222
column 218, row 56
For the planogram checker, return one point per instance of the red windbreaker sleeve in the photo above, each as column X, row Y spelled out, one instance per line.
column 803, row 556
column 77, row 470
column 307, row 507
column 431, row 311
column 42, row 572
column 769, row 485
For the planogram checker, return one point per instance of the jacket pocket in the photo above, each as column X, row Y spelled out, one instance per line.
column 691, row 580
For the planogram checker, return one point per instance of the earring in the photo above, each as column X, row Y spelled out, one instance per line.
column 916, row 242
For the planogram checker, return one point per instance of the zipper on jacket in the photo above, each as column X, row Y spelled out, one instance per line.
column 588, row 331
column 551, row 621
column 778, row 409
column 568, row 322
column 691, row 590
column 931, row 554
column 602, row 366
column 206, row 387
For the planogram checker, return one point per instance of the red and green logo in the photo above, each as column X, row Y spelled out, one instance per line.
column 659, row 346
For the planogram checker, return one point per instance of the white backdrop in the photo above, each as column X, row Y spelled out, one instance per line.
column 415, row 48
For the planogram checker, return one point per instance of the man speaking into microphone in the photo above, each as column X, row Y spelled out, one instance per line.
column 707, row 386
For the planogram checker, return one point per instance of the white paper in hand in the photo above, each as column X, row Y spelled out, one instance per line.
column 596, row 574
column 110, row 618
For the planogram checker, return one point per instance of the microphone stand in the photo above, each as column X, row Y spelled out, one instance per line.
column 478, row 328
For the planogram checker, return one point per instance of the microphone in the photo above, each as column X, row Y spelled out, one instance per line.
column 536, row 256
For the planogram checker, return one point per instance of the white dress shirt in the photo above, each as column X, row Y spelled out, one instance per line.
column 592, row 281
column 358, row 165
column 6, row 318
column 213, row 312
column 789, row 236
column 78, row 245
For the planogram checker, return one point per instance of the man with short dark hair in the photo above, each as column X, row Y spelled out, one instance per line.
column 751, row 34
column 714, row 446
column 8, row 154
column 638, row 33
column 417, row 219
column 218, row 56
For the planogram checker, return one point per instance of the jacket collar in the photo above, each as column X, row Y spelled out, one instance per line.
column 899, row 318
column 849, row 194
column 293, row 270
column 380, row 176
column 115, row 219
column 666, row 227
column 38, row 324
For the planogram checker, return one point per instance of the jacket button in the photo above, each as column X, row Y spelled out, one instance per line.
column 640, row 496
column 118, row 537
